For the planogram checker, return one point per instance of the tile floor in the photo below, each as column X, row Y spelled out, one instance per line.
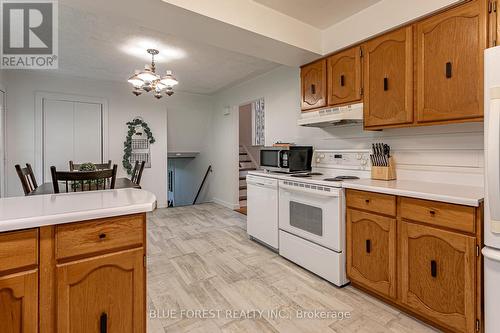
column 199, row 257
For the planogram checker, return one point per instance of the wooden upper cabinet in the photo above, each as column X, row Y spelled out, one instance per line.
column 344, row 77
column 313, row 81
column 19, row 302
column 388, row 79
column 102, row 292
column 371, row 251
column 450, row 49
column 438, row 275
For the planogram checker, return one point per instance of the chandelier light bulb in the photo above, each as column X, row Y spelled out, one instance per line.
column 147, row 80
column 169, row 80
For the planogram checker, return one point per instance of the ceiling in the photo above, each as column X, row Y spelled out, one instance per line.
column 110, row 48
column 318, row 13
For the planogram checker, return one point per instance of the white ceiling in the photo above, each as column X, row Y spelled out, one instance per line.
column 318, row 13
column 110, row 48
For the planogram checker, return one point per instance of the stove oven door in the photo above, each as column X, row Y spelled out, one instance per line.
column 312, row 212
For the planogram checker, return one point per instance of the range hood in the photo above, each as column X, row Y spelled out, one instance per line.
column 343, row 115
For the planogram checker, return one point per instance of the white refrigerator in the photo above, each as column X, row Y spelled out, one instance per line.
column 491, row 251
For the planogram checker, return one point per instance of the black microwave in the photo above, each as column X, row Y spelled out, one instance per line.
column 290, row 159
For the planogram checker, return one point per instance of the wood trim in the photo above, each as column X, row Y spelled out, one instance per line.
column 47, row 276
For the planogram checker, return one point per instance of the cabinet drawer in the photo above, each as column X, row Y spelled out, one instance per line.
column 83, row 238
column 461, row 218
column 18, row 249
column 374, row 202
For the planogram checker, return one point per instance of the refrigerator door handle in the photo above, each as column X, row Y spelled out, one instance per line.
column 493, row 174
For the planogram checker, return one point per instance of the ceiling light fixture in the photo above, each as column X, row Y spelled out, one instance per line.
column 147, row 80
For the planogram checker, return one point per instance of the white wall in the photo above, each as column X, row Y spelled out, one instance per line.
column 451, row 153
column 123, row 106
column 374, row 20
column 189, row 130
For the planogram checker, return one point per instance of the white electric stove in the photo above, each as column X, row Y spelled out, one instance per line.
column 311, row 212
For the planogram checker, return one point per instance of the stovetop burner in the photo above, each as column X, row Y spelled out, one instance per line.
column 340, row 178
column 306, row 175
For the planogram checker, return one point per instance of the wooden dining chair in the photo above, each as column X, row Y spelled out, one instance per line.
column 98, row 166
column 84, row 180
column 137, row 172
column 27, row 177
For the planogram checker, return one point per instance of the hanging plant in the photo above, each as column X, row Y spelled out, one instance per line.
column 127, row 150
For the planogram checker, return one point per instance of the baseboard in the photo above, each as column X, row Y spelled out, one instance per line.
column 225, row 203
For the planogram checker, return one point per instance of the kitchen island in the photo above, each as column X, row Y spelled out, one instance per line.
column 74, row 261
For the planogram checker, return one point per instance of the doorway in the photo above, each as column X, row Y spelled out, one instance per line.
column 251, row 136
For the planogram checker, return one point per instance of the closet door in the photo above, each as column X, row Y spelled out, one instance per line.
column 71, row 131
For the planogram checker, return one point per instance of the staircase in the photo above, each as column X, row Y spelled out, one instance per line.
column 245, row 164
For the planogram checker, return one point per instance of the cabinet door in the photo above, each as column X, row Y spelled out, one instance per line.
column 371, row 251
column 19, row 302
column 388, row 77
column 450, row 64
column 313, row 80
column 438, row 275
column 344, row 77
column 102, row 294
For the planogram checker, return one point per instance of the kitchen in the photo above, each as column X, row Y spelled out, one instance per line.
column 412, row 239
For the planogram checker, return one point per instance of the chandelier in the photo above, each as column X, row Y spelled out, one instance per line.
column 147, row 80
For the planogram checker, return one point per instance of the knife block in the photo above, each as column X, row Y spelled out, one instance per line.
column 385, row 172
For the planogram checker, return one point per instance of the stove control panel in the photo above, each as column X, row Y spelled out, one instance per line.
column 348, row 159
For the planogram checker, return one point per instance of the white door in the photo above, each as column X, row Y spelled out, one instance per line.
column 71, row 131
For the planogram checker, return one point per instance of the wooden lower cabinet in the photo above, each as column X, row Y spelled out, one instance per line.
column 19, row 302
column 371, row 251
column 438, row 275
column 80, row 277
column 424, row 260
column 105, row 292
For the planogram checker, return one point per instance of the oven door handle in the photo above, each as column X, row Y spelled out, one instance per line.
column 334, row 192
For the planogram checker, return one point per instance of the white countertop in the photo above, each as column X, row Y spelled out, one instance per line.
column 42, row 210
column 457, row 194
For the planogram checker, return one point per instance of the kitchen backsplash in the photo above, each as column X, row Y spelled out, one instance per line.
column 448, row 154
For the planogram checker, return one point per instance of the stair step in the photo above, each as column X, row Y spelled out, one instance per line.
column 247, row 169
column 243, row 197
column 243, row 177
column 245, row 161
column 243, row 187
column 243, row 153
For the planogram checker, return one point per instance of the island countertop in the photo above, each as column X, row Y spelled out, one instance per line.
column 36, row 211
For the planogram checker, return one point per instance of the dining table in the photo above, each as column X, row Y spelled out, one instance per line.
column 48, row 188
